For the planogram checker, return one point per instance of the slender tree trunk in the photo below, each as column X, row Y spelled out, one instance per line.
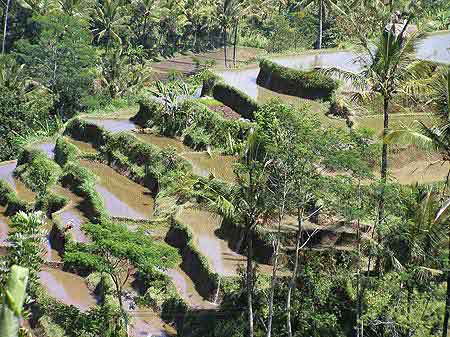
column 5, row 25
column 447, row 299
column 274, row 274
column 358, row 285
column 319, row 41
column 250, row 281
column 225, row 44
column 293, row 280
column 122, row 309
column 235, row 42
column 384, row 159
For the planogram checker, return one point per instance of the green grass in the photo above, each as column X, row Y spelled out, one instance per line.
column 209, row 101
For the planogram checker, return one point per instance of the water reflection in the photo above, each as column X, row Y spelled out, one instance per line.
column 112, row 125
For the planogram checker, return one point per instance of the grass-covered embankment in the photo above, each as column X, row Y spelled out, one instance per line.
column 196, row 124
column 309, row 84
column 234, row 98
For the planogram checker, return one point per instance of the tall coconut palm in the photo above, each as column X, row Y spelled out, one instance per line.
column 387, row 70
column 324, row 6
column 436, row 137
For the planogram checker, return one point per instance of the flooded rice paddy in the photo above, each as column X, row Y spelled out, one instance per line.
column 6, row 174
column 68, row 288
column 204, row 225
column 123, row 197
column 186, row 289
column 71, row 216
column 47, row 147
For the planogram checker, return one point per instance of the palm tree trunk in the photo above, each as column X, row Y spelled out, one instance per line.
column 293, row 280
column 225, row 44
column 5, row 25
column 249, row 282
column 235, row 42
column 319, row 41
column 384, row 166
column 384, row 159
column 447, row 299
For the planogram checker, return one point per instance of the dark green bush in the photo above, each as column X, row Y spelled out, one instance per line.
column 50, row 202
column 9, row 198
column 209, row 80
column 65, row 151
column 148, row 109
column 235, row 99
column 87, row 132
column 306, row 84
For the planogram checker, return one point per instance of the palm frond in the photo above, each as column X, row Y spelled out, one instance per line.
column 408, row 136
column 443, row 212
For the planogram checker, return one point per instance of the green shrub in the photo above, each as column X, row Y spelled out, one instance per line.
column 209, row 80
column 87, row 132
column 65, row 151
column 306, row 84
column 235, row 99
column 37, row 171
column 149, row 110
column 9, row 198
column 50, row 202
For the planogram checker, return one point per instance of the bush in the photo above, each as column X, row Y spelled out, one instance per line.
column 209, row 80
column 50, row 202
column 306, row 84
column 9, row 198
column 36, row 170
column 65, row 151
column 235, row 99
column 149, row 109
column 87, row 132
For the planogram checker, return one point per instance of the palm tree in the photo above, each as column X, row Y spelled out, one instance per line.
column 436, row 137
column 387, row 70
column 108, row 20
column 324, row 6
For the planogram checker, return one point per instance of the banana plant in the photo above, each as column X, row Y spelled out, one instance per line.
column 12, row 301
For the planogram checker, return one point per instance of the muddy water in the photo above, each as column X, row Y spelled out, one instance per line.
column 123, row 197
column 434, row 48
column 46, row 147
column 69, row 288
column 204, row 224
column 144, row 321
column 71, row 214
column 219, row 166
column 163, row 142
column 186, row 289
column 82, row 146
column 113, row 125
column 6, row 174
